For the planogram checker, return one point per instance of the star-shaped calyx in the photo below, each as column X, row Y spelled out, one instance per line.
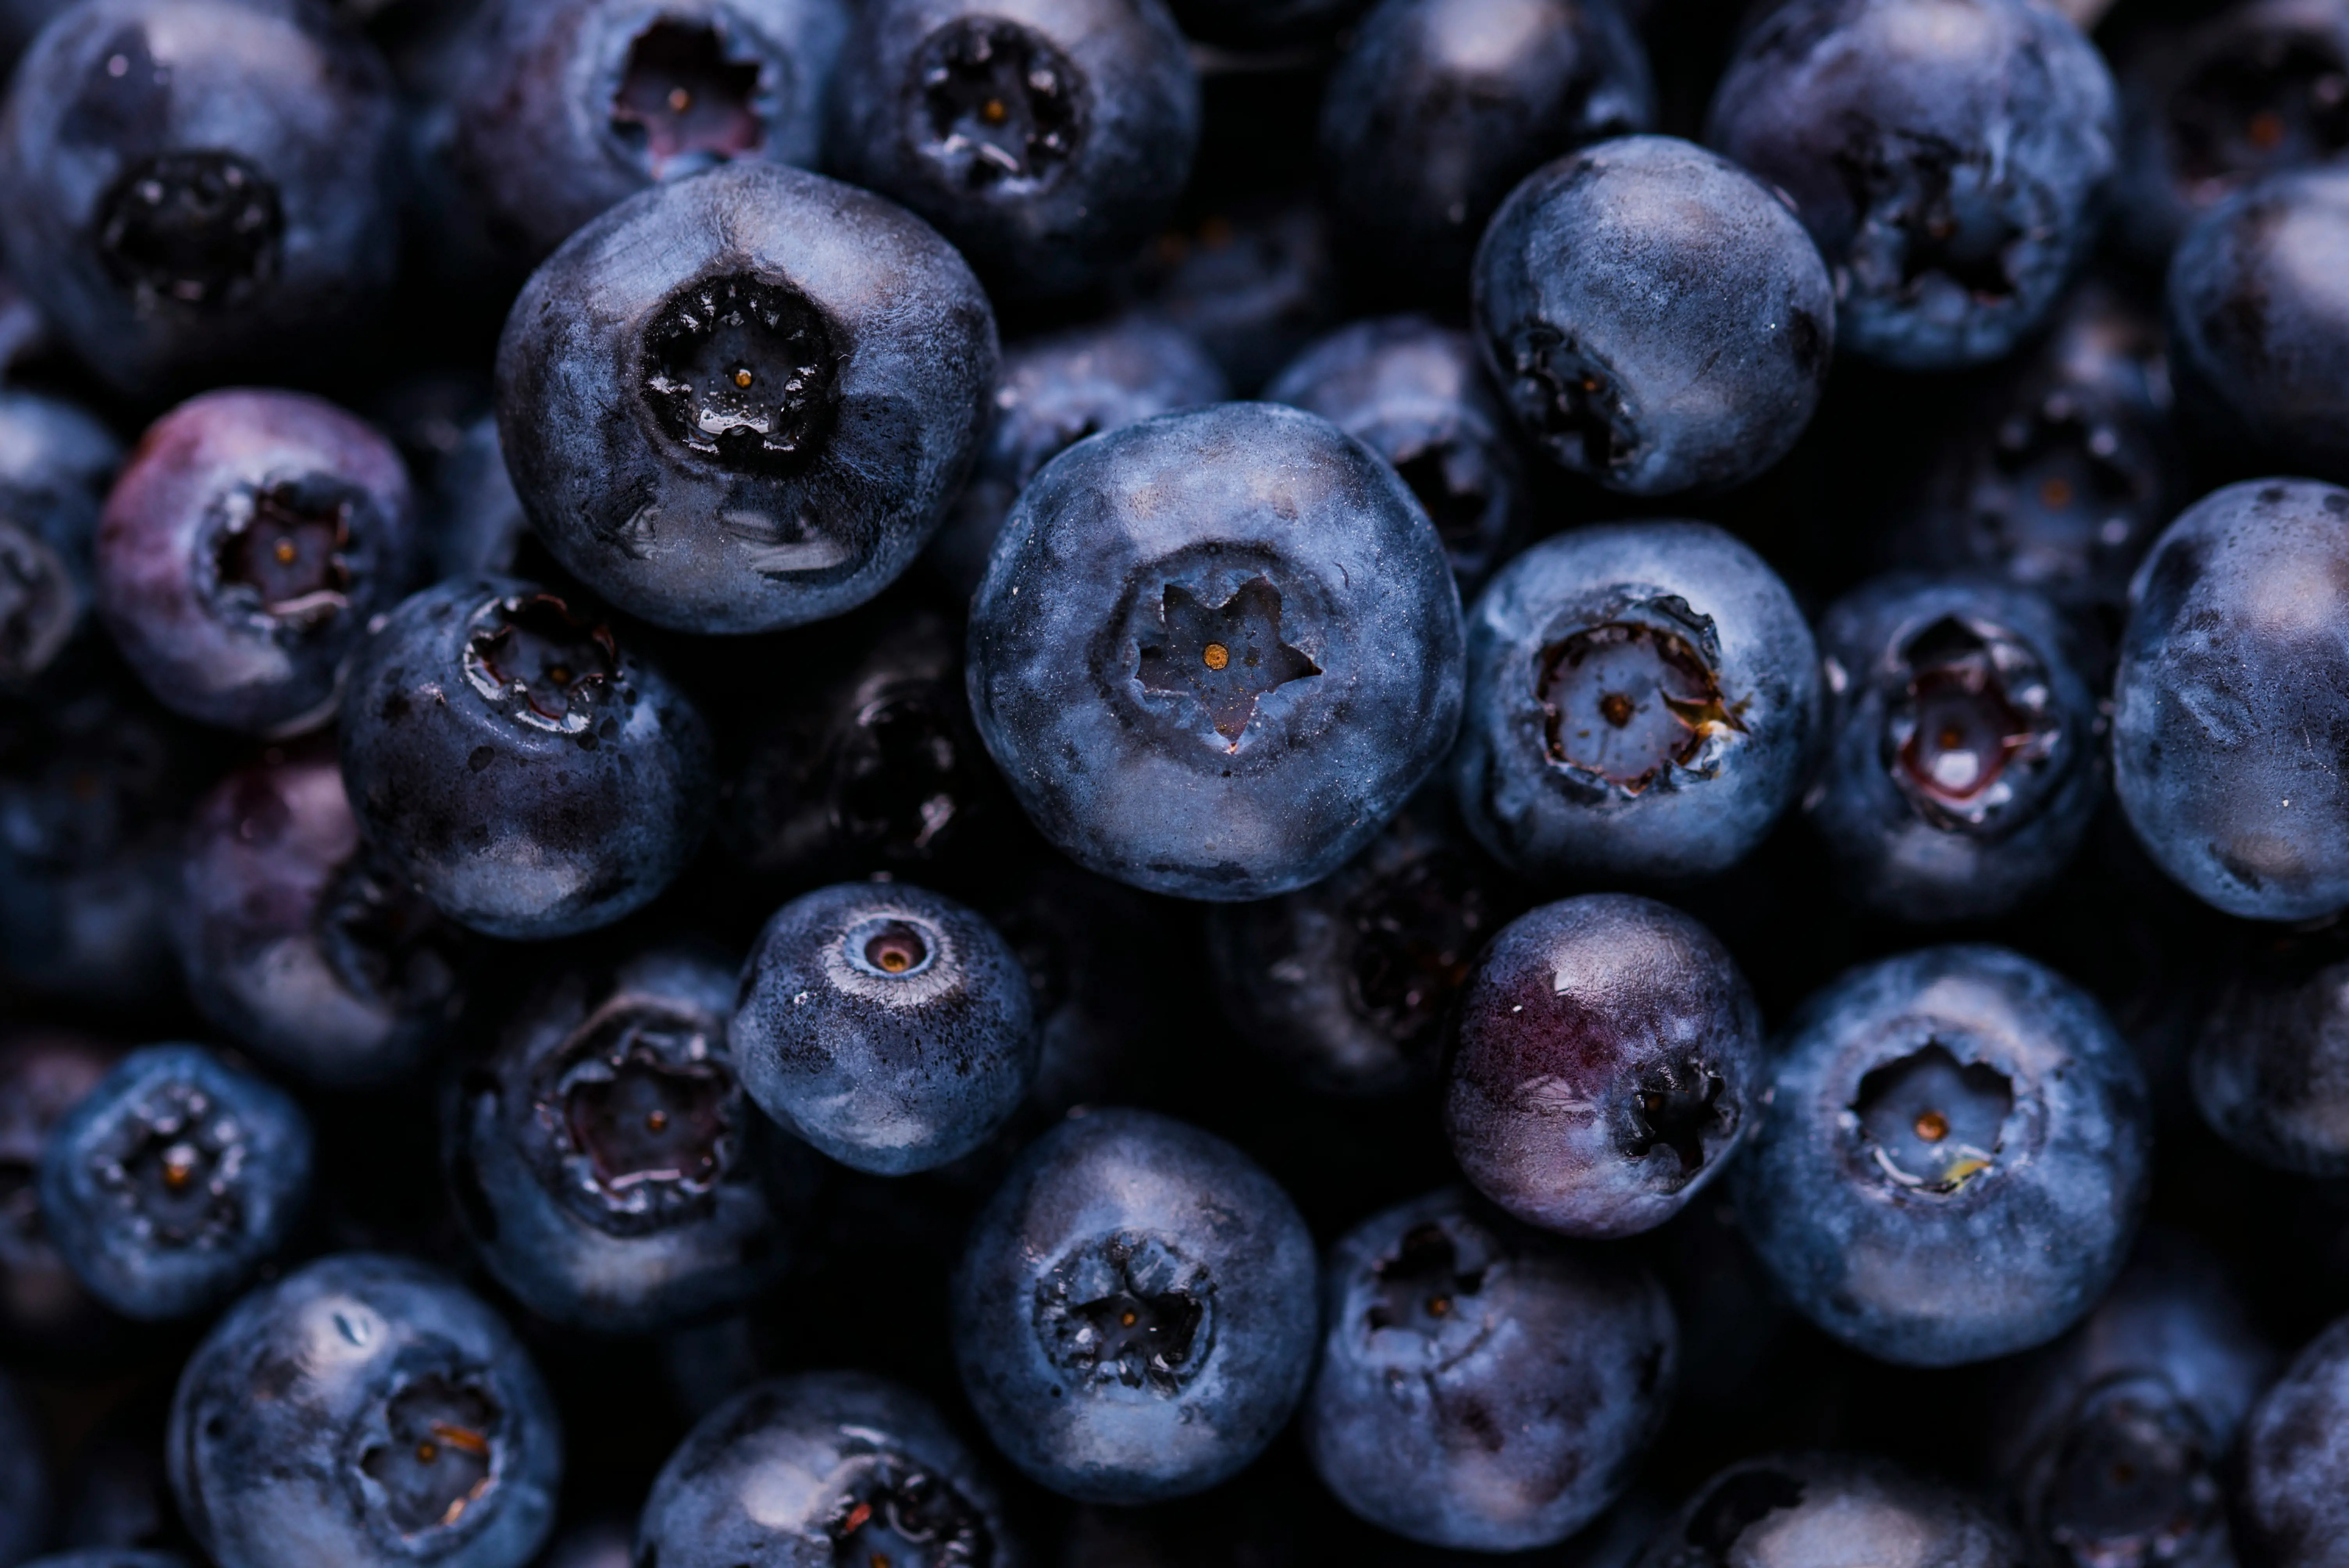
column 1227, row 656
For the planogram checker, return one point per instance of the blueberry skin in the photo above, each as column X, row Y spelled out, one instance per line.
column 344, row 1414
column 1093, row 671
column 2270, row 1065
column 24, row 1476
column 1925, row 830
column 1948, row 155
column 821, row 1467
column 2292, row 1490
column 55, row 462
column 472, row 520
column 1694, row 787
column 1103, row 121
column 1435, row 110
column 793, row 511
column 44, row 1074
column 1126, row 1213
column 2026, row 1160
column 2231, row 699
column 1606, row 1060
column 540, row 809
column 888, row 1027
column 113, row 1174
column 1482, row 1386
column 273, row 132
column 1052, row 392
column 242, row 553
column 1813, row 1510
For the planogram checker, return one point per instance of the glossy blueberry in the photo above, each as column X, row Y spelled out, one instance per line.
column 199, row 190
column 242, row 553
column 1948, row 155
column 1482, row 1386
column 819, row 1469
column 44, row 1073
column 1135, row 1311
column 173, row 1180
column 743, row 401
column 1436, row 109
column 24, row 1476
column 888, row 1027
column 55, row 464
column 1052, row 392
column 1823, row 1510
column 519, row 764
column 1047, row 138
column 364, row 1411
column 1254, row 284
column 1415, row 393
column 471, row 518
column 2291, row 1493
column 2271, row 1061
column 1641, row 701
column 1216, row 651
column 1657, row 318
column 1952, row 1160
column 1961, row 761
column 2231, row 698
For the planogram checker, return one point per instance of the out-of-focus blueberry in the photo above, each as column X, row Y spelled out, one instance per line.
column 1810, row 1511
column 2291, row 1492
column 24, row 1476
column 473, row 520
column 55, row 464
column 1264, row 24
column 44, row 1074
column 2271, row 1061
column 1254, row 285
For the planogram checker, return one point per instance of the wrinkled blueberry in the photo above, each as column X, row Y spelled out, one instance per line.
column 1823, row 1510
column 54, row 463
column 2271, row 1061
column 44, row 1073
column 2292, row 1495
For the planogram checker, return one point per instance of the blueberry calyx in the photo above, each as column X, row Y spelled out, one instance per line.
column 1635, row 700
column 1930, row 1123
column 2267, row 102
column 1227, row 656
column 742, row 371
column 195, row 230
column 280, row 548
column 2060, row 471
column 1930, row 218
column 685, row 101
column 1126, row 1309
column 383, row 939
column 1416, row 936
column 1973, row 727
column 173, row 1164
column 999, row 102
column 1736, row 1506
column 434, row 1454
column 1421, row 1284
column 2132, row 1482
column 1576, row 407
column 900, row 773
column 893, row 947
column 540, row 662
column 1675, row 1106
column 38, row 606
column 897, row 1514
column 638, row 1117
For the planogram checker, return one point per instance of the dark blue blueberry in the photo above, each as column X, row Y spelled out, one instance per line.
column 742, row 401
column 1824, row 1510
column 300, row 944
column 1641, row 701
column 248, row 542
column 888, row 1027
column 1047, row 138
column 200, row 188
column 1483, row 1386
column 609, row 1168
column 1254, row 285
column 365, row 1412
column 1134, row 1313
column 2230, row 707
column 1606, row 1061
column 44, row 1074
column 1948, row 155
column 524, row 770
column 1950, row 1163
column 173, row 1180
column 821, row 1469
column 1436, row 109
column 2271, row 1061
column 1961, row 761
column 1052, row 392
column 1216, row 651
column 2292, row 1491
column 55, row 464
column 24, row 1476
column 1416, row 394
column 472, row 520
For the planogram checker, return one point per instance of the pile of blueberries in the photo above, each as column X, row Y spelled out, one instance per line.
column 1175, row 783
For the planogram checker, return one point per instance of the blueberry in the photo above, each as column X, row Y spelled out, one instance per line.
column 55, row 464
column 173, row 1180
column 1216, row 651
column 201, row 189
column 364, row 1411
column 302, row 944
column 1962, row 761
column 1814, row 1509
column 2270, row 1060
column 44, row 1074
column 1483, row 1386
column 1950, row 1163
column 2231, row 699
column 1435, row 109
column 1045, row 138
column 1254, row 284
column 24, row 1476
column 242, row 553
column 1135, row 1311
column 472, row 520
column 1606, row 1060
column 1642, row 700
column 1948, row 155
column 517, row 763
column 743, row 401
column 819, row 1469
column 607, row 1163
column 2292, row 1495
column 1415, row 393
column 1265, row 24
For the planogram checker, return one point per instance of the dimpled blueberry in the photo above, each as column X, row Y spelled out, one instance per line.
column 1483, row 1386
column 2270, row 1062
column 888, row 1027
column 819, row 1469
column 1134, row 1313
column 1216, row 651
column 24, row 1476
column 1657, row 318
column 2230, row 705
column 54, row 463
column 365, row 1412
column 1948, row 155
column 1605, row 1055
column 1824, row 1510
column 2291, row 1493
column 743, row 401
column 1951, row 1163
column 1642, row 697
column 177, row 1178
